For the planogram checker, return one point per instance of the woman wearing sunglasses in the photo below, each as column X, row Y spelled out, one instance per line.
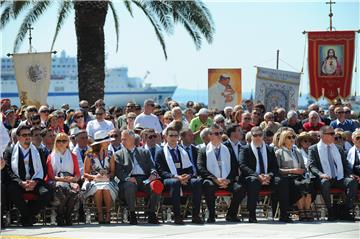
column 293, row 171
column 63, row 174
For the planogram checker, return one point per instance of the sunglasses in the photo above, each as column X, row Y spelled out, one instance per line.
column 25, row 135
column 173, row 135
column 347, row 112
column 114, row 136
column 60, row 116
column 45, row 111
column 36, row 123
column 132, row 118
column 79, row 116
column 306, row 141
column 357, row 138
column 330, row 133
column 217, row 133
column 169, row 118
column 84, row 107
column 220, row 121
column 130, row 106
column 63, row 141
column 32, row 110
column 340, row 112
column 153, row 136
column 337, row 138
column 257, row 135
column 247, row 118
column 291, row 137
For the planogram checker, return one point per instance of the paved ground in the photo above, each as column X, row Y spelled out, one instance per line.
column 264, row 229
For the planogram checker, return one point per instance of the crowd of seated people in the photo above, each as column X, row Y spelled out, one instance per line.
column 62, row 157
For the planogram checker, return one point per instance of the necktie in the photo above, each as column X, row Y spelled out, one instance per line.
column 192, row 161
column 174, row 156
column 152, row 151
column 331, row 162
column 357, row 160
column 261, row 161
column 218, row 158
column 82, row 153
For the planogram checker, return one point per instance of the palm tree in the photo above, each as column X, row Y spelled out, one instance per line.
column 89, row 24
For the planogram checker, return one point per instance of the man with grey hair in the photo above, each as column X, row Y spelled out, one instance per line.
column 147, row 119
column 293, row 122
column 228, row 110
column 133, row 167
column 204, row 135
column 269, row 122
column 329, row 165
column 219, row 119
column 353, row 156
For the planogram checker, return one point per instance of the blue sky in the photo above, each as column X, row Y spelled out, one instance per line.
column 248, row 33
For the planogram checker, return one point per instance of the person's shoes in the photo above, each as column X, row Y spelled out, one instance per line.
column 133, row 219
column 252, row 219
column 331, row 216
column 232, row 219
column 68, row 221
column 348, row 217
column 26, row 223
column 309, row 216
column 152, row 219
column 178, row 221
column 197, row 220
column 211, row 220
column 285, row 219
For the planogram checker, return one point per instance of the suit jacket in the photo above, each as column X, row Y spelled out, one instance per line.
column 124, row 166
column 231, row 150
column 21, row 166
column 356, row 167
column 204, row 172
column 163, row 168
column 315, row 163
column 247, row 162
column 194, row 152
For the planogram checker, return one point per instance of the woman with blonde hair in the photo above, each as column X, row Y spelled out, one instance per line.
column 292, row 172
column 99, row 172
column 63, row 174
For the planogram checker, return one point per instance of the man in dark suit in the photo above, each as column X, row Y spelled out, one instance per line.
column 329, row 165
column 353, row 156
column 176, row 169
column 26, row 174
column 133, row 166
column 219, row 171
column 259, row 168
column 235, row 135
column 187, row 140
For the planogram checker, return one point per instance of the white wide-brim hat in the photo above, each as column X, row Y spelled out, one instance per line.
column 101, row 136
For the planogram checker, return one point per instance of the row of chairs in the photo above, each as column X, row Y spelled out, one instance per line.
column 119, row 212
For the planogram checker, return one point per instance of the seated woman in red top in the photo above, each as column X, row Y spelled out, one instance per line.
column 63, row 174
column 314, row 123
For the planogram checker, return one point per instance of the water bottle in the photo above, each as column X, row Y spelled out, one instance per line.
column 322, row 213
column 168, row 215
column 53, row 217
column 125, row 216
column 270, row 214
column 87, row 216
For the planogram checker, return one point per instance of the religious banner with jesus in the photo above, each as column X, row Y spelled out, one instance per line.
column 331, row 61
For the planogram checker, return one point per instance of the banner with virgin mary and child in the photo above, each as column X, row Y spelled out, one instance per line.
column 331, row 61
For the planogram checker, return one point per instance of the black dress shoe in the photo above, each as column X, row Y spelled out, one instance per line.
column 252, row 220
column 232, row 219
column 211, row 220
column 348, row 217
column 197, row 220
column 178, row 221
column 133, row 218
column 152, row 219
column 285, row 219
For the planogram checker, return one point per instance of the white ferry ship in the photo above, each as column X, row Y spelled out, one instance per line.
column 119, row 87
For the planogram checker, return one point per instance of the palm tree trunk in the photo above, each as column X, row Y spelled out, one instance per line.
column 89, row 24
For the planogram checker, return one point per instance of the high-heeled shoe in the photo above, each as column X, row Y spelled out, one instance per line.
column 108, row 218
column 100, row 218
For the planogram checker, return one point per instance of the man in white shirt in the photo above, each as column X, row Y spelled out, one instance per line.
column 147, row 119
column 99, row 123
column 329, row 165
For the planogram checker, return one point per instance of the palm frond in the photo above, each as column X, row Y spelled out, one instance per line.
column 64, row 9
column 18, row 6
column 128, row 7
column 116, row 22
column 163, row 11
column 31, row 17
column 154, row 22
column 5, row 15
